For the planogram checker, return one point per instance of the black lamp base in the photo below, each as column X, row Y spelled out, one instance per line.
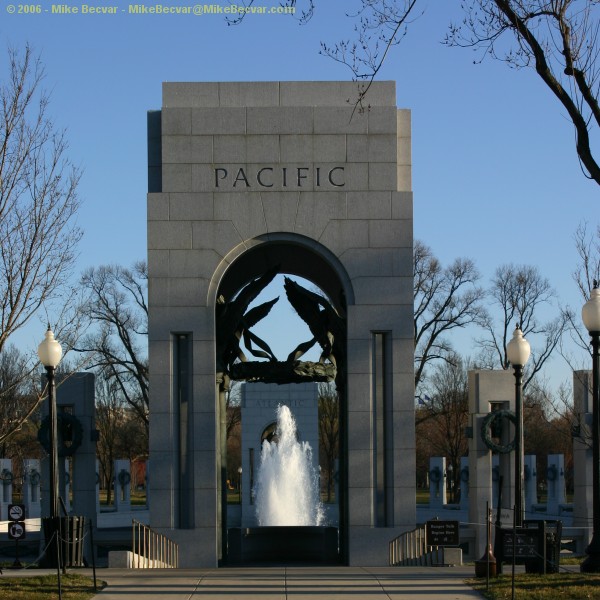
column 592, row 563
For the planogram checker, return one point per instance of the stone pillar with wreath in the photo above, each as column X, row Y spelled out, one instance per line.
column 122, row 485
column 582, row 455
column 464, row 483
column 31, row 488
column 437, row 482
column 6, row 486
column 77, row 437
column 531, row 498
column 491, row 430
column 555, row 480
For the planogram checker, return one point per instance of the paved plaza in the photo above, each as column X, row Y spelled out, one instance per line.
column 281, row 583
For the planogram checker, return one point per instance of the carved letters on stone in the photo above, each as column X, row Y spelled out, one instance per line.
column 279, row 177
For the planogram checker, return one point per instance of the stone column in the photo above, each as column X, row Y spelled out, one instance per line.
column 97, row 486
column 75, row 396
column 555, row 476
column 464, row 483
column 495, row 480
column 530, row 483
column 122, row 485
column 487, row 388
column 148, row 484
column 31, row 488
column 437, row 481
column 582, row 454
column 66, row 487
column 6, row 486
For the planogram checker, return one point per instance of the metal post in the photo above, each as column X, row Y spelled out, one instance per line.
column 514, row 553
column 54, row 471
column 488, row 527
column 592, row 563
column 519, row 449
column 53, row 443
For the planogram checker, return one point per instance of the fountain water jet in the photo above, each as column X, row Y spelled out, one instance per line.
column 289, row 512
column 287, row 487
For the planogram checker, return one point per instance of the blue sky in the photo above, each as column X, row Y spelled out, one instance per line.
column 495, row 176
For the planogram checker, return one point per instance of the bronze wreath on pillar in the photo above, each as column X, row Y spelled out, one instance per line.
column 489, row 423
column 70, row 434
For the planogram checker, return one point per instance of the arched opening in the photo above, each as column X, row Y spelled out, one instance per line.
column 295, row 255
column 269, row 434
column 291, row 256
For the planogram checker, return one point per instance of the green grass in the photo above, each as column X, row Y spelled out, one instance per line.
column 45, row 587
column 558, row 586
column 233, row 497
column 137, row 498
column 422, row 496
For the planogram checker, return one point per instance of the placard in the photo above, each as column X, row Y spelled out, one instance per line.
column 526, row 543
column 16, row 530
column 442, row 533
column 16, row 512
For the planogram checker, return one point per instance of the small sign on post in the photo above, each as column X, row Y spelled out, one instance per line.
column 16, row 528
column 16, row 512
column 525, row 543
column 442, row 533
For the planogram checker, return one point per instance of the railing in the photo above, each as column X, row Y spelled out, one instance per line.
column 411, row 549
column 152, row 550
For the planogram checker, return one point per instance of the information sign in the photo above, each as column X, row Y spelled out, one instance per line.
column 16, row 530
column 526, row 543
column 16, row 512
column 442, row 533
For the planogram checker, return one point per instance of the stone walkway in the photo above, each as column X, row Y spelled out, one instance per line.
column 282, row 583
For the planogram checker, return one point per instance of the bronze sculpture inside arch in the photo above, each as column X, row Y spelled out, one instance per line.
column 234, row 322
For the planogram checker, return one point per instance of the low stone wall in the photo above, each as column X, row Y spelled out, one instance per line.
column 124, row 559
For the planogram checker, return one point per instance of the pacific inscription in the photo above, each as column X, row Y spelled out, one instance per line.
column 267, row 177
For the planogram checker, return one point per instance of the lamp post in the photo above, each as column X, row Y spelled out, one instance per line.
column 240, row 482
column 590, row 314
column 517, row 352
column 50, row 353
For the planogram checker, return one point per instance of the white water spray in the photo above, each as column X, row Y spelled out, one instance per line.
column 287, row 486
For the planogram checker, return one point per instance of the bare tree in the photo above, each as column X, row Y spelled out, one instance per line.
column 381, row 25
column 18, row 393
column 520, row 294
column 445, row 298
column 122, row 435
column 442, row 420
column 117, row 311
column 587, row 271
column 108, row 416
column 38, row 198
column 233, row 407
column 559, row 40
column 329, row 434
column 302, row 11
column 550, row 423
column 585, row 275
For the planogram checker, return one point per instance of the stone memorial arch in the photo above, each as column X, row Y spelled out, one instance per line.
column 248, row 180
